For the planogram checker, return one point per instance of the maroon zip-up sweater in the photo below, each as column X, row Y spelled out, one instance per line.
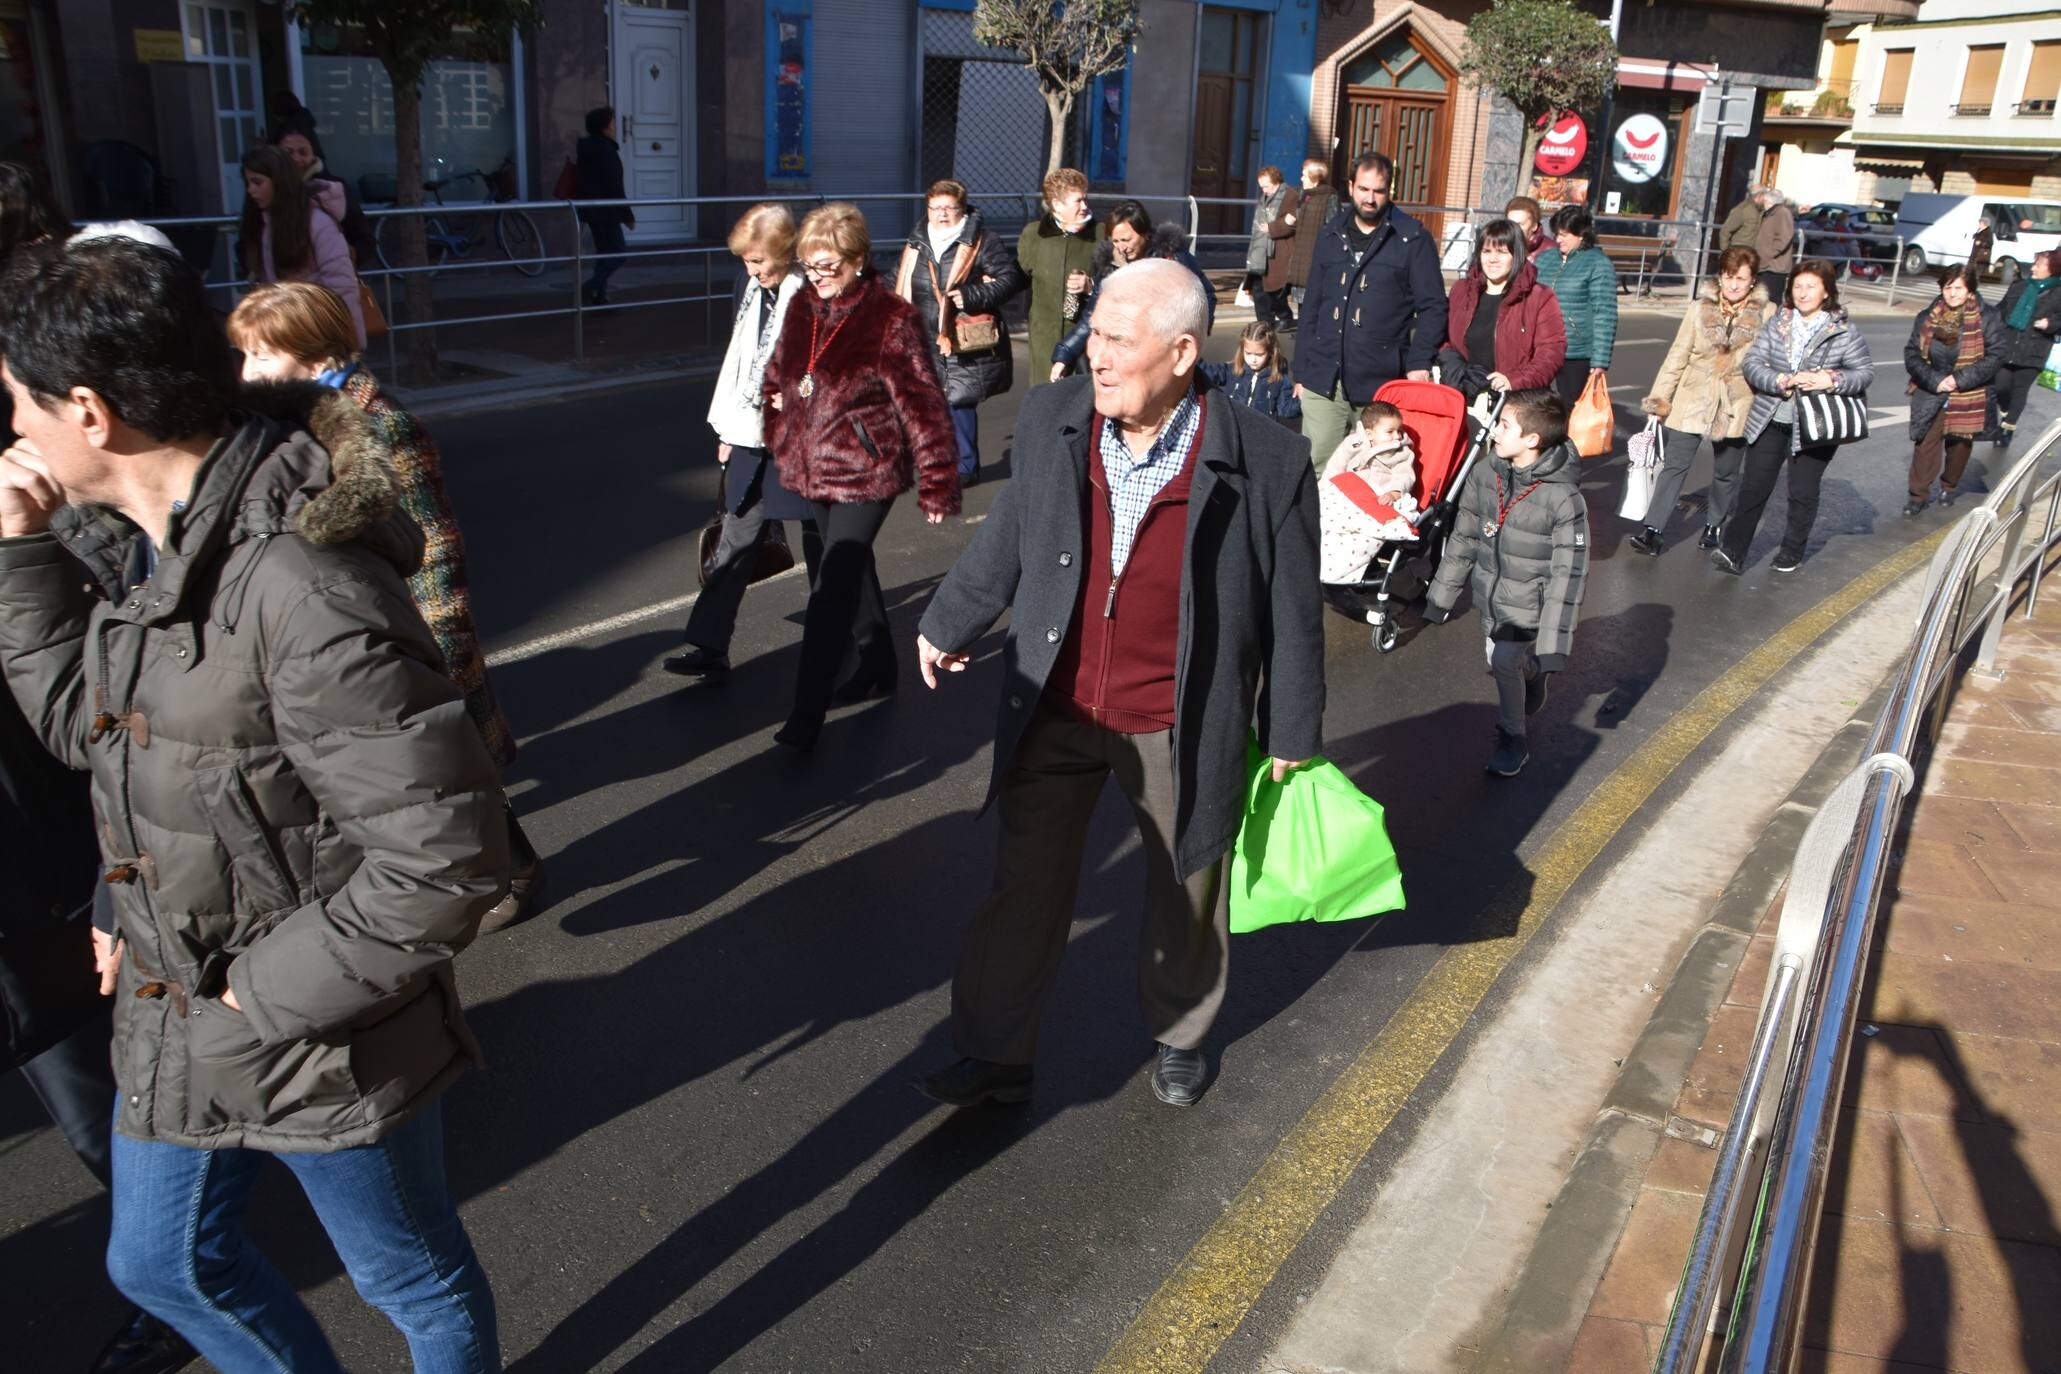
column 1116, row 666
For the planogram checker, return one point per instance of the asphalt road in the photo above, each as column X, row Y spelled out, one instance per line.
column 695, row 1145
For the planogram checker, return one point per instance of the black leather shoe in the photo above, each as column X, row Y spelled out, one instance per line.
column 1724, row 562
column 1179, row 1077
column 144, row 1346
column 800, row 738
column 1709, row 538
column 970, row 1082
column 1647, row 541
column 699, row 662
column 863, row 686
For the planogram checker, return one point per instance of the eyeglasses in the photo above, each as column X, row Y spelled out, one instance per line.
column 824, row 269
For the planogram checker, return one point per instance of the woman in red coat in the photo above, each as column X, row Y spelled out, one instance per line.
column 1503, row 329
column 855, row 417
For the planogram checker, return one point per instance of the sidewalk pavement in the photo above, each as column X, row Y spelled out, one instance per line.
column 1939, row 1247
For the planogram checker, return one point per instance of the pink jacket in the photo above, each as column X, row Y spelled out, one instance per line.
column 1385, row 470
column 332, row 265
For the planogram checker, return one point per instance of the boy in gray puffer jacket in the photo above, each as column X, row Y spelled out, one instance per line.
column 1522, row 530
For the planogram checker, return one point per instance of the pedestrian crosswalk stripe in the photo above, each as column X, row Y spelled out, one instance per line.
column 1206, row 1297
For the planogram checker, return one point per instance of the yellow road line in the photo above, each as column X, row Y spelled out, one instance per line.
column 1202, row 1302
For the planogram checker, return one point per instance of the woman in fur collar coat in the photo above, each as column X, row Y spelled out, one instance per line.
column 855, row 417
column 1701, row 391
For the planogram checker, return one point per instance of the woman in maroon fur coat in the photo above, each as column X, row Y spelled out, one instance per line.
column 855, row 417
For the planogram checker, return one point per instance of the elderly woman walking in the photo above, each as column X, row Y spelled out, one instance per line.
column 958, row 276
column 857, row 418
column 752, row 495
column 1957, row 344
column 1808, row 346
column 1702, row 392
column 1581, row 277
column 1056, row 252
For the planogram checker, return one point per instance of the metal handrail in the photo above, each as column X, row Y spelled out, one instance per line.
column 1827, row 930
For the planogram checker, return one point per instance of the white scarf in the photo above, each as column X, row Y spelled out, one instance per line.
column 735, row 412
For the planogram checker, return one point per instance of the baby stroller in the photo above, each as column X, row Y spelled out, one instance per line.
column 1435, row 418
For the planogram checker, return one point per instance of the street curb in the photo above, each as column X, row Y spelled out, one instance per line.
column 1552, row 1293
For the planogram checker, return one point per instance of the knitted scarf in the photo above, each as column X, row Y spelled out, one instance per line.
column 1967, row 410
column 2029, row 301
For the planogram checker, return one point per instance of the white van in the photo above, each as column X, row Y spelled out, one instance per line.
column 1939, row 231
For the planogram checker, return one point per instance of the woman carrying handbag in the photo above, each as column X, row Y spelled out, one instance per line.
column 1957, row 344
column 754, row 502
column 1809, row 369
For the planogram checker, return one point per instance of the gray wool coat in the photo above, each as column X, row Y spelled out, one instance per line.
column 1530, row 575
column 293, row 802
column 1250, row 651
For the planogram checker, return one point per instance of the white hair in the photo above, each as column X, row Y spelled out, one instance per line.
column 121, row 229
column 1174, row 303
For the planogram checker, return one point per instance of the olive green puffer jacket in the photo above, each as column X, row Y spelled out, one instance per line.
column 292, row 801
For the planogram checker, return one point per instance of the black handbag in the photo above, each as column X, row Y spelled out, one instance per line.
column 773, row 555
column 1826, row 417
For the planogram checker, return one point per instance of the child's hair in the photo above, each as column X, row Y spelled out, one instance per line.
column 1378, row 410
column 1541, row 413
column 1260, row 332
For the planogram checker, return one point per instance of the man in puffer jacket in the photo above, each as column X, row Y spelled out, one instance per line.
column 299, row 822
column 1522, row 531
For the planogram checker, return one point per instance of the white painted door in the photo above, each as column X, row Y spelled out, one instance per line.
column 654, row 100
column 220, row 34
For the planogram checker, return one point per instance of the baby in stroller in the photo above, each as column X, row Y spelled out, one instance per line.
column 1367, row 495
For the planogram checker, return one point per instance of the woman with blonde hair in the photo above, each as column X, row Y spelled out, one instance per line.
column 857, row 417
column 752, row 495
column 300, row 332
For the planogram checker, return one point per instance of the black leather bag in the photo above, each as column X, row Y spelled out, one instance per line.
column 773, row 556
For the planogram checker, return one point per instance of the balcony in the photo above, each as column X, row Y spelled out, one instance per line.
column 2035, row 107
column 1970, row 111
column 1891, row 108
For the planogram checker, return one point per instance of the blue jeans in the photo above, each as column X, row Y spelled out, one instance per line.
column 177, row 1249
column 608, row 246
column 966, row 429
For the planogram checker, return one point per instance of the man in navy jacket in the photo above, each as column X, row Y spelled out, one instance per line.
column 1375, row 309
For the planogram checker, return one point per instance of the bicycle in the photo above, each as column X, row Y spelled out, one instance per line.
column 456, row 235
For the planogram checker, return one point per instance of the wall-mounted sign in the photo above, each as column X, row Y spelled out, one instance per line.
column 1639, row 152
column 1563, row 147
column 159, row 45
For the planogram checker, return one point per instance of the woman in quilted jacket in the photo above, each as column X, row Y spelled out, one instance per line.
column 1584, row 282
column 855, row 417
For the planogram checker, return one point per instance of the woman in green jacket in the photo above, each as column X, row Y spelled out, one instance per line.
column 1586, row 285
column 1056, row 252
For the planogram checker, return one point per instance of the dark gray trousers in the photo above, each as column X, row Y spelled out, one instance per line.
column 1018, row 935
column 1727, row 461
column 1513, row 664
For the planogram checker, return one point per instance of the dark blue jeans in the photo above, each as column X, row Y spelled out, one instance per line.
column 966, row 429
column 608, row 243
column 178, row 1250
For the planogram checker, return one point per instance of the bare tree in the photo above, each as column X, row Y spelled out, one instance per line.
column 1068, row 43
column 404, row 36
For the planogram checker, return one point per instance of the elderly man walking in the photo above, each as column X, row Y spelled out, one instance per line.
column 1775, row 241
column 1158, row 549
column 1376, row 308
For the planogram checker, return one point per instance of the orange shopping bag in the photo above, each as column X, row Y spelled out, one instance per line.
column 1591, row 423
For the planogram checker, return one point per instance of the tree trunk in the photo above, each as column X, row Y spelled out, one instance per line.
column 1059, row 105
column 1527, row 165
column 420, row 344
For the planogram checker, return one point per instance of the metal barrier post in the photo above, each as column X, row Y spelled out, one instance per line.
column 1194, row 223
column 579, row 288
column 2039, row 564
column 1896, row 269
column 1993, row 628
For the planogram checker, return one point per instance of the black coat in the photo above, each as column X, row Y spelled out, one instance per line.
column 1928, row 368
column 994, row 278
column 1251, row 637
column 47, row 985
column 598, row 175
column 2029, row 347
column 1375, row 323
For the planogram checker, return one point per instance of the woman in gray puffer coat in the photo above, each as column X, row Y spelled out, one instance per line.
column 1809, row 345
column 952, row 268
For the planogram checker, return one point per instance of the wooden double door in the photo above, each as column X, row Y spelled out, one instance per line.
column 1397, row 99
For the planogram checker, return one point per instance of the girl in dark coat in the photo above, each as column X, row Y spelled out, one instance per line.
column 1503, row 329
column 1259, row 379
column 1957, row 344
column 855, row 417
column 2031, row 312
column 598, row 175
column 951, row 267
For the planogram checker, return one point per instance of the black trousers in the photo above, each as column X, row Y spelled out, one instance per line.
column 1574, row 375
column 713, row 619
column 1765, row 459
column 846, row 609
column 1777, row 285
column 1271, row 307
column 2013, row 385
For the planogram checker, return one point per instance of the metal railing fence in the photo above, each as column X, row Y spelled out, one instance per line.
column 1777, row 1147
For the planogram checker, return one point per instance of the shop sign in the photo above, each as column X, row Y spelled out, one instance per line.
column 1639, row 152
column 1563, row 147
column 159, row 45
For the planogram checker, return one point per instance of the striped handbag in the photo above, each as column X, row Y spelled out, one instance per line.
column 1825, row 417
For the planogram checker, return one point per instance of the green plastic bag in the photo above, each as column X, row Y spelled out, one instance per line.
column 1313, row 848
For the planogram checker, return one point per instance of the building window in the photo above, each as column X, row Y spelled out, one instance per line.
column 1639, row 160
column 2042, row 79
column 1896, row 80
column 790, row 73
column 468, row 110
column 1109, row 125
column 1979, row 81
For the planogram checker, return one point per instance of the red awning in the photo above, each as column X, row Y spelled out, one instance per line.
column 1653, row 74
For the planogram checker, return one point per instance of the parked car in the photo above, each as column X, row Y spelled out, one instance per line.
column 1859, row 239
column 1939, row 231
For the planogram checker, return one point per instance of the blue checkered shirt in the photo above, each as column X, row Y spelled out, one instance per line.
column 1134, row 481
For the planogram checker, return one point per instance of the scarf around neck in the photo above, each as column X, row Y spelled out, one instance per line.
column 1967, row 410
column 2029, row 301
